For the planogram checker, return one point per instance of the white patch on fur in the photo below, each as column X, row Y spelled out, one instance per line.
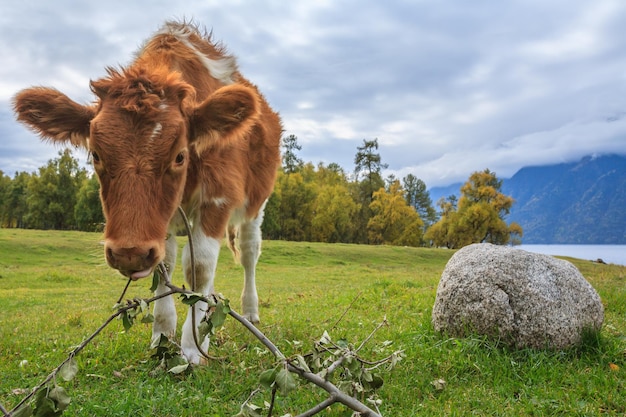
column 238, row 215
column 219, row 201
column 156, row 131
column 221, row 69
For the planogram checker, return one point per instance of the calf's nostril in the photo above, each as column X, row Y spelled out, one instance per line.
column 151, row 255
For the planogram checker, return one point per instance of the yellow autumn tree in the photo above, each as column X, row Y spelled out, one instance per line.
column 394, row 222
column 479, row 216
column 334, row 211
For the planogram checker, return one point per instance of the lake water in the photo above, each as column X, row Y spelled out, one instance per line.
column 611, row 254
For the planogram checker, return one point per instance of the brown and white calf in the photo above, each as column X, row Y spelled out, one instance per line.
column 179, row 126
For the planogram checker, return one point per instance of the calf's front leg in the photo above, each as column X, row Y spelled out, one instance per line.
column 206, row 251
column 164, row 308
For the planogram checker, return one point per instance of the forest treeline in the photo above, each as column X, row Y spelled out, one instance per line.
column 310, row 203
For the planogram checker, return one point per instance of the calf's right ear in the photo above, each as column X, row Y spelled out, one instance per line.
column 53, row 115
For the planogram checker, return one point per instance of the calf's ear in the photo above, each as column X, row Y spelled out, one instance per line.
column 227, row 115
column 53, row 115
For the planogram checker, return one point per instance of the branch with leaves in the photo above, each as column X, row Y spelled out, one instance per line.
column 358, row 376
column 48, row 399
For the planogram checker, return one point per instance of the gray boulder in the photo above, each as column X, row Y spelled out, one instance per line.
column 524, row 299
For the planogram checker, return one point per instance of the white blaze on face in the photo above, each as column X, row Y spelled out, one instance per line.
column 156, row 131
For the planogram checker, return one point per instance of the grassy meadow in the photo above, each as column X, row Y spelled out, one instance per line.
column 55, row 290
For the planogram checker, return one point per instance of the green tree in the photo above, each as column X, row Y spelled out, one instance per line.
column 52, row 194
column 88, row 210
column 5, row 184
column 418, row 197
column 368, row 179
column 394, row 222
column 14, row 201
column 296, row 206
column 271, row 218
column 368, row 166
column 291, row 162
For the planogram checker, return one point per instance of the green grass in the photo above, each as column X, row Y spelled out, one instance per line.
column 55, row 290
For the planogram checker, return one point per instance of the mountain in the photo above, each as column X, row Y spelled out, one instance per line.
column 581, row 202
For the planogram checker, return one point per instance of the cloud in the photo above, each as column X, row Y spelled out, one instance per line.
column 448, row 88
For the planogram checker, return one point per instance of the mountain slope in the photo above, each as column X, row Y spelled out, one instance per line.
column 581, row 202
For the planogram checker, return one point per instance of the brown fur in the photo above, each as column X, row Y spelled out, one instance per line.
column 164, row 132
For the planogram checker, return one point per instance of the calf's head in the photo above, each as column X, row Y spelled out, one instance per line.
column 139, row 133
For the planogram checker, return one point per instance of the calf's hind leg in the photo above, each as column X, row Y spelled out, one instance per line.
column 250, row 249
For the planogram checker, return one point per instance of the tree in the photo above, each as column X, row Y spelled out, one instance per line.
column 418, row 197
column 52, row 194
column 368, row 164
column 483, row 207
column 291, row 162
column 14, row 205
column 334, row 208
column 333, row 214
column 5, row 184
column 368, row 178
column 88, row 209
column 296, row 206
column 394, row 222
column 271, row 218
column 479, row 216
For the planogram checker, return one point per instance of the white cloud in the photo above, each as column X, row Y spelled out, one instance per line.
column 447, row 88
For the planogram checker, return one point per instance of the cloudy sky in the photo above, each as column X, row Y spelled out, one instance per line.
column 447, row 86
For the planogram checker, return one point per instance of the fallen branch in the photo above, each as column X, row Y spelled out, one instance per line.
column 336, row 395
column 297, row 367
column 80, row 347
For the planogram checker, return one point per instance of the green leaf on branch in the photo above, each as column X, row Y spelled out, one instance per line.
column 218, row 316
column 285, row 381
column 69, row 370
column 299, row 362
column 24, row 411
column 204, row 329
column 60, row 398
column 268, row 377
column 50, row 402
column 214, row 319
column 192, row 298
column 156, row 279
column 127, row 321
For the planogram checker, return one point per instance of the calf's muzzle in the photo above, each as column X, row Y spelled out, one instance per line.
column 134, row 262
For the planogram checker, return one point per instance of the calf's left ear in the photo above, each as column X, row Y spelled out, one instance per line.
column 53, row 115
column 228, row 114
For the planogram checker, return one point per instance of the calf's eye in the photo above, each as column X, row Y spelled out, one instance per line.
column 95, row 157
column 180, row 158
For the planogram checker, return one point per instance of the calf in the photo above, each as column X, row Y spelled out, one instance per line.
column 179, row 126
